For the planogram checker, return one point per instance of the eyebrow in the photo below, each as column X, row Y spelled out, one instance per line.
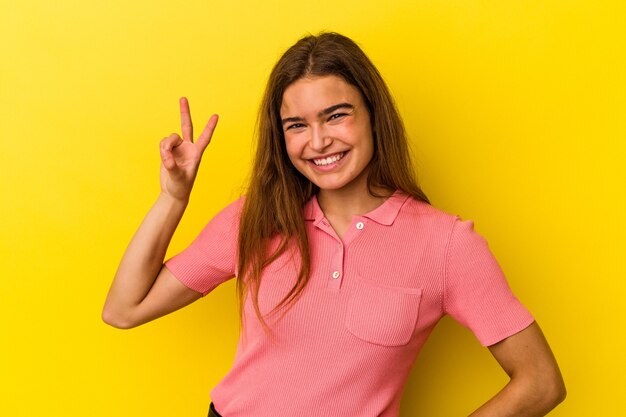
column 324, row 112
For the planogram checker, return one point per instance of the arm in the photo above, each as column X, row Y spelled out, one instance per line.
column 143, row 289
column 536, row 385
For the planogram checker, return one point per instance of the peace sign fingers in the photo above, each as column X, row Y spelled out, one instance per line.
column 187, row 126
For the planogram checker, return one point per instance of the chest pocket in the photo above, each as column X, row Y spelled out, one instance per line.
column 382, row 315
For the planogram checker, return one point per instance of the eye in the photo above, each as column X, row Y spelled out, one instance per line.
column 337, row 116
column 294, row 126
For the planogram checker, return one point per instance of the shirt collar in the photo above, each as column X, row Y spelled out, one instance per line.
column 384, row 214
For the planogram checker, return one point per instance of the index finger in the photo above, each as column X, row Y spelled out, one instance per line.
column 185, row 120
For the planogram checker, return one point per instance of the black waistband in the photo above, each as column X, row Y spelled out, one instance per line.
column 213, row 412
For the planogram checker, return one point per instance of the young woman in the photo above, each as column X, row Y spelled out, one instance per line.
column 343, row 267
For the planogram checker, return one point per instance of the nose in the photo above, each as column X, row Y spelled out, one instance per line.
column 319, row 138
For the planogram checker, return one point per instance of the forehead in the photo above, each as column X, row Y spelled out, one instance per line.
column 312, row 94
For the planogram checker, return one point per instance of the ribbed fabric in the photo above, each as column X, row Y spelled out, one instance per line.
column 347, row 346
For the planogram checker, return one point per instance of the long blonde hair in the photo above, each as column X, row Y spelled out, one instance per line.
column 277, row 192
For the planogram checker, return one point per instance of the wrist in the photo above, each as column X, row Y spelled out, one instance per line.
column 173, row 202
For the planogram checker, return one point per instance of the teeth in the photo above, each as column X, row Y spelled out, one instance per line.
column 329, row 160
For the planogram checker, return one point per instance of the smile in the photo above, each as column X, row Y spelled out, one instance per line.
column 328, row 160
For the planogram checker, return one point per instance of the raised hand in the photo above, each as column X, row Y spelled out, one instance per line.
column 143, row 289
column 180, row 157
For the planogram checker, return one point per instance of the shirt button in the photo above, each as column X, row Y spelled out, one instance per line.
column 336, row 274
column 359, row 225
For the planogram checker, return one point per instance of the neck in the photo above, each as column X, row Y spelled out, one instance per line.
column 346, row 203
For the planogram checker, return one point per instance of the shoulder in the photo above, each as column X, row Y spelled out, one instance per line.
column 432, row 222
column 236, row 206
column 225, row 222
column 231, row 211
column 425, row 215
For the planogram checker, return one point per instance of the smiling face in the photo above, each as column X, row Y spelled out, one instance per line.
column 327, row 131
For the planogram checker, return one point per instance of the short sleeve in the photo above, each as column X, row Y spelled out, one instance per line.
column 212, row 257
column 477, row 294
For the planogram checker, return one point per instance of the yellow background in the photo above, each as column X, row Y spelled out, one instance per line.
column 516, row 112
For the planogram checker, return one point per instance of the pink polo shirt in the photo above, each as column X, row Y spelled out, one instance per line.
column 346, row 347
